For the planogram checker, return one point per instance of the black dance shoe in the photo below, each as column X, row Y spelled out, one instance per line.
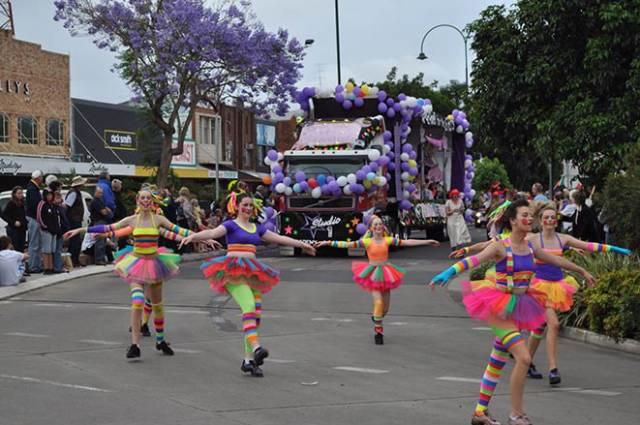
column 144, row 330
column 259, row 354
column 379, row 339
column 133, row 352
column 164, row 347
column 253, row 368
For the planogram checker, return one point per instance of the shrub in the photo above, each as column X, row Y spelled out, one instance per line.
column 488, row 171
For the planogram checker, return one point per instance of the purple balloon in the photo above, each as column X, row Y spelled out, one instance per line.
column 427, row 101
column 455, row 113
column 457, row 120
column 384, row 160
column 413, row 171
column 287, row 181
column 386, row 136
column 325, row 189
column 353, row 187
column 391, row 155
column 382, row 95
column 405, row 205
column 330, row 179
column 359, row 189
column 347, row 104
column 397, row 107
column 308, row 91
column 300, row 177
column 391, row 166
column 465, row 123
column 413, row 155
column 304, row 186
column 336, row 193
column 361, row 229
column 361, row 175
column 366, row 169
column 417, row 109
column 278, row 177
column 405, row 167
column 356, row 90
column 382, row 108
column 390, row 102
column 358, row 102
column 339, row 97
column 391, row 113
column 333, row 186
column 276, row 169
column 411, row 188
column 406, row 148
column 402, row 96
column 339, row 88
column 272, row 155
column 373, row 165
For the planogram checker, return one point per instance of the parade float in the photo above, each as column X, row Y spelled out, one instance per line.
column 360, row 152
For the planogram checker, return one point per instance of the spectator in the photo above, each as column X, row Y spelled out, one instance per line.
column 537, row 192
column 120, row 211
column 34, row 197
column 185, row 211
column 262, row 194
column 100, row 214
column 198, row 215
column 11, row 263
column 584, row 225
column 58, row 264
column 89, row 247
column 14, row 215
column 104, row 183
column 215, row 219
column 74, row 205
column 49, row 220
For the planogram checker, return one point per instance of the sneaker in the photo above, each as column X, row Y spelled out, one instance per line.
column 259, row 354
column 164, row 347
column 533, row 373
column 379, row 339
column 519, row 420
column 554, row 377
column 144, row 330
column 252, row 368
column 484, row 419
column 48, row 272
column 133, row 352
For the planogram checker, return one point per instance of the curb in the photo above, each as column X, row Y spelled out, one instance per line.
column 575, row 334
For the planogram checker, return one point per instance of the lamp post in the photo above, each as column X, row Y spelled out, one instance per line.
column 465, row 38
column 338, row 42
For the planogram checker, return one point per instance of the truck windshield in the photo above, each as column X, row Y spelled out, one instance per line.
column 312, row 167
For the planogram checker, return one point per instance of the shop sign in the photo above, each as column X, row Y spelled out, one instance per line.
column 223, row 174
column 7, row 166
column 97, row 168
column 188, row 155
column 15, row 86
column 117, row 139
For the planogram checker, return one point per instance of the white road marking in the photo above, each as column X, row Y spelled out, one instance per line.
column 54, row 305
column 6, row 302
column 280, row 361
column 598, row 392
column 187, row 311
column 100, row 342
column 298, row 269
column 481, row 328
column 114, row 307
column 566, row 389
column 186, row 351
column 28, row 335
column 57, row 384
column 458, row 379
column 328, row 319
column 360, row 369
column 398, row 323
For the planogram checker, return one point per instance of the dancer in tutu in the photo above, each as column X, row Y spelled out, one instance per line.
column 558, row 288
column 509, row 305
column 145, row 265
column 241, row 275
column 378, row 276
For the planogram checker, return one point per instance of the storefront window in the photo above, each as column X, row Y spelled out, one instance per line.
column 206, row 133
column 55, row 132
column 28, row 130
column 4, row 128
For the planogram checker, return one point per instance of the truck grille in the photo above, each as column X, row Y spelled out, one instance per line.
column 321, row 204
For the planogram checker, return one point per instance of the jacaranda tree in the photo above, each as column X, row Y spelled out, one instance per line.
column 178, row 54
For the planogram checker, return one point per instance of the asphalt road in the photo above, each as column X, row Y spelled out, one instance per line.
column 62, row 357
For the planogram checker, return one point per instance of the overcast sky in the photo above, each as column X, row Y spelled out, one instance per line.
column 374, row 34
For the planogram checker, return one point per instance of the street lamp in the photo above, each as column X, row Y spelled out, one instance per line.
column 465, row 38
column 338, row 42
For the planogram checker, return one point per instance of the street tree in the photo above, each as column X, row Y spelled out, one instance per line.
column 178, row 54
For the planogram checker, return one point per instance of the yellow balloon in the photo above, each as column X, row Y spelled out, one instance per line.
column 365, row 89
column 367, row 183
column 450, row 117
column 349, row 86
column 412, row 163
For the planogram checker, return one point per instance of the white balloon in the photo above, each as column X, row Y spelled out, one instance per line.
column 467, row 164
column 288, row 191
column 280, row 187
column 280, row 156
column 386, row 148
column 468, row 136
column 459, row 129
column 428, row 108
column 473, row 193
column 383, row 181
column 351, row 178
column 412, row 102
column 405, row 176
column 404, row 157
column 267, row 161
column 406, row 194
column 347, row 190
column 374, row 154
column 316, row 192
column 342, row 181
column 373, row 91
column 405, row 185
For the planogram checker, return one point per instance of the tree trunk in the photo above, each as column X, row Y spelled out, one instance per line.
column 165, row 161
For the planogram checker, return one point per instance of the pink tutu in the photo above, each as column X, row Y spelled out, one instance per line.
column 258, row 275
column 146, row 269
column 483, row 301
column 377, row 278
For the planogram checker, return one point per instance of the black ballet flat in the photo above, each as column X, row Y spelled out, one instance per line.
column 164, row 347
column 133, row 352
column 253, row 368
column 259, row 354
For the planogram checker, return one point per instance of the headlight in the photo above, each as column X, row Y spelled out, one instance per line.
column 478, row 215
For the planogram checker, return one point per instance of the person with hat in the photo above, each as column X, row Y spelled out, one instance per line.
column 33, row 227
column 73, row 203
column 456, row 226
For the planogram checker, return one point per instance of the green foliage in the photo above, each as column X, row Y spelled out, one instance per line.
column 479, row 272
column 557, row 79
column 488, row 171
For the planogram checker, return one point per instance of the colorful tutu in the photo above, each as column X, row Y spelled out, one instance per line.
column 377, row 278
column 483, row 300
column 220, row 270
column 146, row 269
column 559, row 293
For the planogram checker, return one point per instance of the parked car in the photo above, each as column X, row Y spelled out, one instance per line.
column 5, row 197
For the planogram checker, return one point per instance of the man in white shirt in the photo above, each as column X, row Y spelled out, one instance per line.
column 11, row 263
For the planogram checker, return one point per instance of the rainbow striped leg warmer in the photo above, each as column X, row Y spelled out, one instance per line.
column 146, row 312
column 250, row 329
column 378, row 314
column 137, row 297
column 258, row 297
column 158, row 321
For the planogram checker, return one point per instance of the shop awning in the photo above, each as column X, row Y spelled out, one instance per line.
column 252, row 176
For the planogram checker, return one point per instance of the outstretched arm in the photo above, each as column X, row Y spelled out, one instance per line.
column 216, row 233
column 342, row 244
column 100, row 228
column 493, row 251
column 418, row 242
column 564, row 264
column 592, row 246
column 470, row 250
column 274, row 238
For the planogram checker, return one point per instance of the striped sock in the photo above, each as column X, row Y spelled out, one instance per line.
column 250, row 330
column 146, row 312
column 378, row 308
column 258, row 297
column 497, row 360
column 158, row 321
column 137, row 297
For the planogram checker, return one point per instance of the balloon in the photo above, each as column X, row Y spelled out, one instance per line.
column 465, row 123
column 455, row 113
column 468, row 144
column 272, row 155
column 313, row 183
column 413, row 155
column 386, row 148
column 366, row 169
column 361, row 175
column 391, row 113
column 412, row 163
column 387, row 135
column 280, row 156
column 407, row 147
column 404, row 157
column 391, row 166
column 371, row 176
column 374, row 154
column 406, row 194
column 347, row 190
column 278, row 177
column 411, row 188
column 428, row 108
column 352, row 178
column 287, row 181
column 347, row 104
column 342, row 181
column 340, row 98
column 391, row 155
column 330, row 179
column 357, row 90
column 349, row 86
column 382, row 95
column 304, row 186
column 353, row 187
column 467, row 163
column 382, row 108
column 405, row 176
column 358, row 102
column 413, row 172
column 384, row 160
column 339, row 88
column 300, row 177
column 275, row 167
column 297, row 188
column 459, row 129
column 397, row 107
column 367, row 184
column 404, row 166
column 321, row 179
column 364, row 89
column 382, row 181
column 316, row 192
column 473, row 193
column 270, row 226
column 374, row 166
column 288, row 191
column 390, row 102
column 405, row 205
column 280, row 188
column 361, row 229
column 267, row 161
column 468, row 136
column 266, row 180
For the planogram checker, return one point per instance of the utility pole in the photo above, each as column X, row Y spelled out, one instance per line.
column 338, row 41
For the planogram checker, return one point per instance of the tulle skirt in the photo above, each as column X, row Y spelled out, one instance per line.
column 484, row 301
column 146, row 269
column 222, row 270
column 559, row 293
column 377, row 278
